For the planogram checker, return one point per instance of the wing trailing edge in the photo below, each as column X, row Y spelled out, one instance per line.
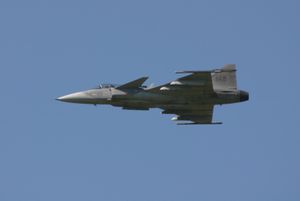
column 195, row 123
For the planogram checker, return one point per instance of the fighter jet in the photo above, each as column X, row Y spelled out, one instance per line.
column 191, row 98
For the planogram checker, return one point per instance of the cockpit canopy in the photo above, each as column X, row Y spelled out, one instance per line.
column 106, row 86
column 102, row 86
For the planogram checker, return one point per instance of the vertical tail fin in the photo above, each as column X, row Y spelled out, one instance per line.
column 224, row 79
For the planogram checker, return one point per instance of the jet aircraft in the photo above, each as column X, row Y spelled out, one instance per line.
column 191, row 98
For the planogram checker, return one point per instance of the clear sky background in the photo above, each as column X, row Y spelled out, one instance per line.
column 51, row 150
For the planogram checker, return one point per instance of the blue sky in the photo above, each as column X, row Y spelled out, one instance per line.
column 55, row 151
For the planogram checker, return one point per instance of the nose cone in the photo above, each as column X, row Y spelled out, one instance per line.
column 79, row 97
column 244, row 96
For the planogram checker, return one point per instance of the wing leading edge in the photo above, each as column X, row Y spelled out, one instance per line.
column 223, row 79
column 201, row 80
